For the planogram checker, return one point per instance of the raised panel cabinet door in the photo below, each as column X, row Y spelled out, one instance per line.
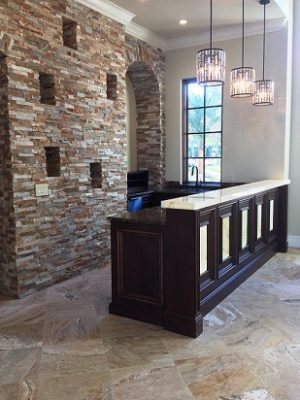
column 140, row 265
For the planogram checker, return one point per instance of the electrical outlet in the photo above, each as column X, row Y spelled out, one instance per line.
column 41, row 190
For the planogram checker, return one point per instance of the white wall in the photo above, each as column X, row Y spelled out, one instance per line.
column 131, row 125
column 294, row 193
column 253, row 137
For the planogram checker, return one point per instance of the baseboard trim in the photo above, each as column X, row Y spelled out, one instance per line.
column 294, row 241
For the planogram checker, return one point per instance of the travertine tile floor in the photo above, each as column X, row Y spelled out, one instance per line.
column 61, row 344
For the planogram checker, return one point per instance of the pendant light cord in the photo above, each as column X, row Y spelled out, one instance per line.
column 243, row 36
column 264, row 42
column 211, row 22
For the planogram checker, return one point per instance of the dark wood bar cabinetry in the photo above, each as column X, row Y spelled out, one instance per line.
column 171, row 266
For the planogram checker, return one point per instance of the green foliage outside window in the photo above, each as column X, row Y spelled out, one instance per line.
column 202, row 131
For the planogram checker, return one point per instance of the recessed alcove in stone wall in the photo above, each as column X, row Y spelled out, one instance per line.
column 52, row 161
column 96, row 174
column 47, row 88
column 111, row 86
column 69, row 33
column 148, row 133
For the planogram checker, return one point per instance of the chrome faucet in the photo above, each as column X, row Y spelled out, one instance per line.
column 197, row 175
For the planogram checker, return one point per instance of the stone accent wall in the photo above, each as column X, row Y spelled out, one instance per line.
column 50, row 238
column 146, row 71
column 7, row 223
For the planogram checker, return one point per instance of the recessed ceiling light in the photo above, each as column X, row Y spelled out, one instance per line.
column 183, row 22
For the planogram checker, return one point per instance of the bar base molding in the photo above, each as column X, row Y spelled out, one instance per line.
column 192, row 327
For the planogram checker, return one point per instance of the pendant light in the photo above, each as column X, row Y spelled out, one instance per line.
column 242, row 78
column 264, row 88
column 210, row 62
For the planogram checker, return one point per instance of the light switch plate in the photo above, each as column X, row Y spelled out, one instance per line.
column 41, row 190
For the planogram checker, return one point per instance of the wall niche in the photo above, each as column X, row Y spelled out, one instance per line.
column 69, row 33
column 52, row 161
column 96, row 174
column 111, row 86
column 47, row 89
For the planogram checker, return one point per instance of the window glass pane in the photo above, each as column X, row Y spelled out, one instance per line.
column 195, row 145
column 202, row 116
column 244, row 238
column 195, row 95
column 271, row 215
column 225, row 238
column 203, row 249
column 214, row 95
column 213, row 170
column 198, row 162
column 213, row 121
column 213, row 145
column 195, row 121
column 259, row 224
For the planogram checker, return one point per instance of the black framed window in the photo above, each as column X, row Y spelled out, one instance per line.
column 202, row 131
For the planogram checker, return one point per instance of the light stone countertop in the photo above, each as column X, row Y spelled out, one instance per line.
column 213, row 197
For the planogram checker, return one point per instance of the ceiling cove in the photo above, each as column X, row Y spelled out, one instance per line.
column 177, row 39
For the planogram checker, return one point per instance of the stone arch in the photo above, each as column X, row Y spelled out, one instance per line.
column 143, row 58
column 149, row 138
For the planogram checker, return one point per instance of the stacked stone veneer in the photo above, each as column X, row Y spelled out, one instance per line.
column 7, row 223
column 147, row 74
column 47, row 239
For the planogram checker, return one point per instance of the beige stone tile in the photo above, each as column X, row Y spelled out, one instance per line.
column 70, row 321
column 9, row 391
column 33, row 299
column 216, row 375
column 148, row 383
column 21, row 326
column 113, row 326
column 250, row 343
column 136, row 350
column 75, row 370
column 259, row 394
column 294, row 250
column 18, row 373
column 83, row 386
column 282, row 376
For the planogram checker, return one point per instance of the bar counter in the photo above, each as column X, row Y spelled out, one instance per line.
column 172, row 265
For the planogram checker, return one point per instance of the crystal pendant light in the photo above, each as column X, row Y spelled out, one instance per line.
column 210, row 62
column 242, row 78
column 264, row 88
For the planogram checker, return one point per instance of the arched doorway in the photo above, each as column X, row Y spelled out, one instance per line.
column 149, row 146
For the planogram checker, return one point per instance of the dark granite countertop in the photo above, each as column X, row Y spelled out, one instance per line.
column 153, row 216
column 184, row 189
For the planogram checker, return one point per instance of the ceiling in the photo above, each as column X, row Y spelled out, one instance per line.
column 162, row 16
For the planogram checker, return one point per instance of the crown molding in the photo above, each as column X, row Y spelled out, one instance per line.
column 225, row 34
column 147, row 36
column 125, row 17
column 109, row 9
